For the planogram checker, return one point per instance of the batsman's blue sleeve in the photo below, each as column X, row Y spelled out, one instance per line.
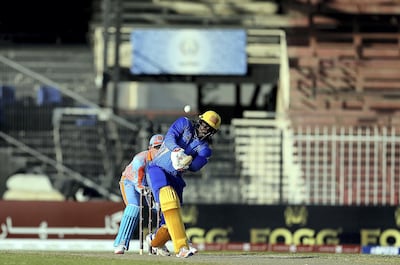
column 201, row 159
column 174, row 133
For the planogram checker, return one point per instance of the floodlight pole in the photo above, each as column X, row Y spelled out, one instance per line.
column 106, row 7
column 116, row 69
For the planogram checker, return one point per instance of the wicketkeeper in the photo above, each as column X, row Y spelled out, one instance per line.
column 185, row 147
column 132, row 182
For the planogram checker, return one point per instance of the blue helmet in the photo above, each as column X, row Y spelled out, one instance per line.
column 156, row 140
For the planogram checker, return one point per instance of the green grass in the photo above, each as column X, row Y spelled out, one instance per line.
column 212, row 258
column 90, row 258
column 64, row 258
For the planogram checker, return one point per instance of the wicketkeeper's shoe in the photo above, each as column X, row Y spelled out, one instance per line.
column 161, row 251
column 184, row 252
column 149, row 238
column 120, row 249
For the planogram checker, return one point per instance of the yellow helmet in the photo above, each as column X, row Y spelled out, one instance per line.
column 211, row 118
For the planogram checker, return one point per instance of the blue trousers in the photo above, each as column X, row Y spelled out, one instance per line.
column 158, row 179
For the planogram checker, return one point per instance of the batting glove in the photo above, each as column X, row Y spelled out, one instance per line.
column 180, row 160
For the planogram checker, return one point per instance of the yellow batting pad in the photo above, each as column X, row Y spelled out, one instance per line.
column 169, row 199
column 170, row 207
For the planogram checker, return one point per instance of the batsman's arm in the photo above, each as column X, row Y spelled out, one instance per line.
column 201, row 159
column 174, row 132
column 197, row 163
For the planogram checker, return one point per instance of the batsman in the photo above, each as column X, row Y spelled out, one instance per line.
column 186, row 146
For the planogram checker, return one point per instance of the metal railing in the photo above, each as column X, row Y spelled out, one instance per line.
column 66, row 171
column 349, row 166
column 26, row 109
column 317, row 165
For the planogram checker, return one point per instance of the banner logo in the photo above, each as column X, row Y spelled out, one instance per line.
column 397, row 216
column 296, row 215
column 189, row 214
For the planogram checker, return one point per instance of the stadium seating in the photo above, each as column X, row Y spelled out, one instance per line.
column 339, row 67
column 7, row 98
column 48, row 96
column 343, row 73
column 7, row 94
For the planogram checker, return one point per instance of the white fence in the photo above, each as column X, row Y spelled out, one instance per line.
column 349, row 166
column 317, row 165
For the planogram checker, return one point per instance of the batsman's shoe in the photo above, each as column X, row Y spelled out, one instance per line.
column 192, row 248
column 161, row 251
column 184, row 252
column 120, row 249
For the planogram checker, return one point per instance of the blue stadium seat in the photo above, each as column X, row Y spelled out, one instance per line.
column 7, row 94
column 48, row 96
column 7, row 97
column 91, row 120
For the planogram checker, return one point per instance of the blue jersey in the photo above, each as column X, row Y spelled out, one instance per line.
column 181, row 134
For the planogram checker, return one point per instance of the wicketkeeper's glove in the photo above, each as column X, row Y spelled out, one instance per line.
column 180, row 160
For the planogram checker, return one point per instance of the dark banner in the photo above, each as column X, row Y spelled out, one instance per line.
column 308, row 225
column 291, row 225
